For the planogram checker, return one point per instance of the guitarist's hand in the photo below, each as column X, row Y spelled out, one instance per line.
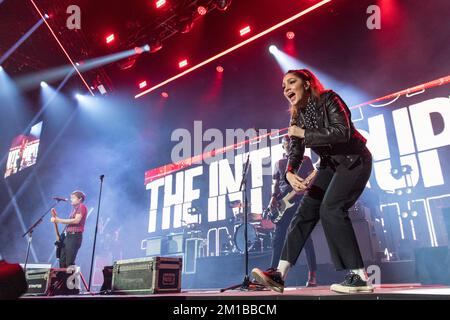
column 273, row 201
column 54, row 220
column 296, row 182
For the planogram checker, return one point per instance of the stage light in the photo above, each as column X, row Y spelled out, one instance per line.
column 273, row 49
column 1, row 68
column 110, row 38
column 44, row 84
column 222, row 4
column 78, row 96
column 201, row 10
column 142, row 84
column 290, row 35
column 164, row 94
column 233, row 48
column 404, row 215
column 146, row 48
column 155, row 45
column 160, row 3
column 62, row 47
column 244, row 31
column 182, row 63
column 219, row 69
column 414, row 214
column 46, row 16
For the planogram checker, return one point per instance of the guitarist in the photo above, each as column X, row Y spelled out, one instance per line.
column 74, row 230
column 281, row 187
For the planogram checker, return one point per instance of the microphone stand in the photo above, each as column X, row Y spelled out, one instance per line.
column 30, row 231
column 95, row 234
column 246, row 283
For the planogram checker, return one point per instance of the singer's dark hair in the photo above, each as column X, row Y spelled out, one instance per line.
column 79, row 194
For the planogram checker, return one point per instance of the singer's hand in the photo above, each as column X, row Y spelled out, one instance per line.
column 296, row 131
column 296, row 182
column 54, row 220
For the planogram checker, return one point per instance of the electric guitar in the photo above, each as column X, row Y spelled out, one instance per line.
column 276, row 209
column 59, row 243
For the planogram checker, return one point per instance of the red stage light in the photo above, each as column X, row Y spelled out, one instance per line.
column 164, row 94
column 202, row 10
column 219, row 69
column 160, row 3
column 142, row 84
column 244, row 31
column 110, row 38
column 182, row 63
column 290, row 35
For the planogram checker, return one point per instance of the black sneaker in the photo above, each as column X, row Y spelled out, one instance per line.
column 352, row 284
column 270, row 278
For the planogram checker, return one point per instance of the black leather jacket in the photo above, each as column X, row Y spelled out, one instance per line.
column 336, row 140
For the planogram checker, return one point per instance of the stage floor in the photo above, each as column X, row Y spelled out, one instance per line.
column 383, row 292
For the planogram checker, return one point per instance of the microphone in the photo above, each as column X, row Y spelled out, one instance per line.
column 60, row 199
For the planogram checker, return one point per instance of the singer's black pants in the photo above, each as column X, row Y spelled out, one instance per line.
column 280, row 236
column 335, row 189
column 72, row 244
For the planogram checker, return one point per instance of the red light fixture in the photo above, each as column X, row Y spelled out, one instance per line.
column 290, row 35
column 245, row 31
column 142, row 84
column 160, row 3
column 182, row 63
column 164, row 94
column 219, row 69
column 201, row 10
column 110, row 38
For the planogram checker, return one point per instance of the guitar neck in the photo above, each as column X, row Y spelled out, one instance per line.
column 58, row 235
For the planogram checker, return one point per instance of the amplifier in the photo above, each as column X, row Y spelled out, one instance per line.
column 54, row 281
column 147, row 275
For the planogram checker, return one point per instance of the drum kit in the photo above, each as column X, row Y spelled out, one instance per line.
column 260, row 233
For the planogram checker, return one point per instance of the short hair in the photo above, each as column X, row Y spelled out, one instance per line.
column 79, row 194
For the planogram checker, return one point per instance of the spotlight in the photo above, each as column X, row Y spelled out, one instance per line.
column 146, row 48
column 290, row 35
column 404, row 215
column 164, row 94
column 222, row 4
column 46, row 16
column 201, row 10
column 110, row 38
column 44, row 84
column 160, row 3
column 1, row 68
column 142, row 84
column 155, row 45
column 244, row 30
column 182, row 63
column 273, row 49
column 414, row 213
column 399, row 192
column 185, row 24
column 219, row 69
column 78, row 96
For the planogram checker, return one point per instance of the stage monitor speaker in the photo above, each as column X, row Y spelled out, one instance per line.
column 432, row 265
column 12, row 281
column 54, row 281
